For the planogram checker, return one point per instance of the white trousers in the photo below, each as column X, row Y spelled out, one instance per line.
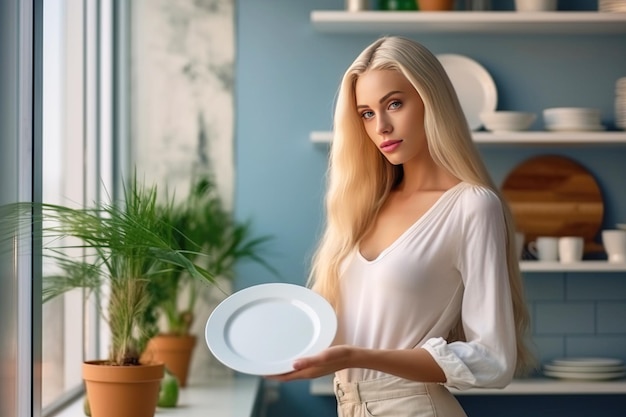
column 395, row 397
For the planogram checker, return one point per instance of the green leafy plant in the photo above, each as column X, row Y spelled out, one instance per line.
column 208, row 235
column 119, row 247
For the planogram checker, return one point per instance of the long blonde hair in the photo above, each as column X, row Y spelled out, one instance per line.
column 359, row 174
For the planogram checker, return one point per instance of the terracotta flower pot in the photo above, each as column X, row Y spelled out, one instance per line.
column 174, row 351
column 122, row 391
column 435, row 5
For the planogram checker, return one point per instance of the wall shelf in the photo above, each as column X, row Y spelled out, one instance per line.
column 583, row 266
column 534, row 386
column 561, row 22
column 524, row 138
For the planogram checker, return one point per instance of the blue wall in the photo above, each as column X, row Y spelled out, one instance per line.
column 286, row 79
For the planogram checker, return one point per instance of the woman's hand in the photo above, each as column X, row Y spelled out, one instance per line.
column 414, row 364
column 327, row 362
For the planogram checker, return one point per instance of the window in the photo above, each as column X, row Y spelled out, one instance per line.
column 77, row 170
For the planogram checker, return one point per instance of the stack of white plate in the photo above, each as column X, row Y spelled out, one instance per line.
column 572, row 119
column 620, row 102
column 612, row 6
column 587, row 369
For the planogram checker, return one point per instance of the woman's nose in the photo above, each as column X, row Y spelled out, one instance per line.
column 383, row 126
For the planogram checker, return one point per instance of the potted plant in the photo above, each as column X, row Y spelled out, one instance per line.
column 117, row 247
column 209, row 236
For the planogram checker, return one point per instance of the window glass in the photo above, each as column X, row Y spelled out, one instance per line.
column 65, row 333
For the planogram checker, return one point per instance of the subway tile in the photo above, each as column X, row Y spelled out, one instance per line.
column 544, row 287
column 547, row 348
column 564, row 318
column 610, row 317
column 598, row 286
column 596, row 346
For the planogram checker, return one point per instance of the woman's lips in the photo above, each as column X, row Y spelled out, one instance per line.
column 390, row 145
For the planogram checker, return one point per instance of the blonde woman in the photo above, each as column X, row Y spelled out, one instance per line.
column 418, row 254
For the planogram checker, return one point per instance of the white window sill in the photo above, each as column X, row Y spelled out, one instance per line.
column 225, row 397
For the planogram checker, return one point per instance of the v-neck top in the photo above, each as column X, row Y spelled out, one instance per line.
column 449, row 264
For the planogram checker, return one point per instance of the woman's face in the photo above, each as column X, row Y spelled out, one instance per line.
column 392, row 112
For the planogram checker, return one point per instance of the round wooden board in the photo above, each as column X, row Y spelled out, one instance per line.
column 553, row 195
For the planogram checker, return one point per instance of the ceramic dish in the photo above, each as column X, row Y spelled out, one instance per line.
column 575, row 128
column 473, row 85
column 589, row 369
column 585, row 375
column 507, row 121
column 262, row 329
column 594, row 362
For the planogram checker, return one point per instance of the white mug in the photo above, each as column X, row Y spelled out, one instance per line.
column 571, row 249
column 545, row 248
column 615, row 245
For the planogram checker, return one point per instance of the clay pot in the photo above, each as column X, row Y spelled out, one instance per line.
column 122, row 391
column 174, row 351
column 435, row 5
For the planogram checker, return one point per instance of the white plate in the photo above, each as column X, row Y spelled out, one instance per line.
column 585, row 375
column 588, row 361
column 262, row 329
column 581, row 128
column 473, row 85
column 590, row 369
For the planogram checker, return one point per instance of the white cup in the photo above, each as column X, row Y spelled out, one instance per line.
column 571, row 249
column 519, row 244
column 535, row 5
column 615, row 245
column 545, row 248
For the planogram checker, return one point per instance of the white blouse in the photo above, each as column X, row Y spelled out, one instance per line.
column 449, row 263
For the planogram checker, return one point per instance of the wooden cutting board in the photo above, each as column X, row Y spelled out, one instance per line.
column 552, row 195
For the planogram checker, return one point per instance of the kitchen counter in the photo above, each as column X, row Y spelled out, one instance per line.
column 227, row 397
column 531, row 386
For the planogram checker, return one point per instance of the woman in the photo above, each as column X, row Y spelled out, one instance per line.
column 418, row 255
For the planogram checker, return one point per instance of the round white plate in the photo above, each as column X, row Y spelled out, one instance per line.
column 262, row 329
column 565, row 128
column 588, row 361
column 590, row 369
column 473, row 85
column 585, row 375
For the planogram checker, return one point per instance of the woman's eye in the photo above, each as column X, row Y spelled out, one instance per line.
column 367, row 114
column 395, row 104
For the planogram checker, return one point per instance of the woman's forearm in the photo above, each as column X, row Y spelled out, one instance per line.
column 414, row 364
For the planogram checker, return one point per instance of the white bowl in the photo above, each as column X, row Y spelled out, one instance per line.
column 571, row 116
column 572, row 119
column 507, row 121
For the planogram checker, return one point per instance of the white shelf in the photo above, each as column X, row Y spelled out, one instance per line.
column 524, row 138
column 561, row 22
column 584, row 266
column 551, row 138
column 534, row 386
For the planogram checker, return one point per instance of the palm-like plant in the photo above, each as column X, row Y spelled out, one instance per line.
column 205, row 232
column 122, row 246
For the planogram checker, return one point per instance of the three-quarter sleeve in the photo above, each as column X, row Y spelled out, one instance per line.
column 487, row 356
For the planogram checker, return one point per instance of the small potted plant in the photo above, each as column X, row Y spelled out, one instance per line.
column 115, row 250
column 209, row 236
